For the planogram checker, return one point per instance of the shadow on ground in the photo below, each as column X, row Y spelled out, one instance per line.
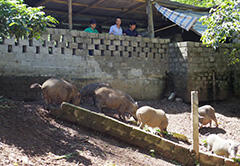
column 28, row 127
column 209, row 130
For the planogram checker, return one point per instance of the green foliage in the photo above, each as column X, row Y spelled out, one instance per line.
column 202, row 3
column 223, row 24
column 152, row 152
column 177, row 136
column 17, row 19
column 66, row 156
column 236, row 160
column 204, row 142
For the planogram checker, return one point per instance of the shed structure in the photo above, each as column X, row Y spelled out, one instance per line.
column 76, row 14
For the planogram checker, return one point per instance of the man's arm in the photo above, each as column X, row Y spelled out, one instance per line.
column 111, row 30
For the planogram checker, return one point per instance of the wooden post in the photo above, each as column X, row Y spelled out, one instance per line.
column 150, row 19
column 70, row 14
column 194, row 109
column 214, row 86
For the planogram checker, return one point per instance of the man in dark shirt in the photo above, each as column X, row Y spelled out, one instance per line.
column 131, row 31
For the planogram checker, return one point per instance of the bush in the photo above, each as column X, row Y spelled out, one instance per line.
column 17, row 19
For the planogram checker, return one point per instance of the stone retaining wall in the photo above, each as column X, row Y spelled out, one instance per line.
column 197, row 67
column 135, row 136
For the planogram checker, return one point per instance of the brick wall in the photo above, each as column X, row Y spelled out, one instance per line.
column 135, row 65
column 197, row 67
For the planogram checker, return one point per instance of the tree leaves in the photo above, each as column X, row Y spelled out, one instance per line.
column 17, row 19
column 223, row 25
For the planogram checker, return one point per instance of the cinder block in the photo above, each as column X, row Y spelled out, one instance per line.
column 68, row 38
column 91, row 46
column 112, row 48
column 101, row 36
column 22, row 42
column 116, row 42
column 107, row 53
column 107, row 42
column 111, row 37
column 145, row 39
column 121, row 48
column 80, row 39
column 9, row 41
column 97, row 52
column 83, row 34
column 73, row 45
column 116, row 53
column 57, row 51
column 81, row 52
column 92, row 35
column 96, row 41
column 125, row 43
column 130, row 48
column 102, row 47
column 154, row 40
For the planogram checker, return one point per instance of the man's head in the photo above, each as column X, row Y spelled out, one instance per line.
column 132, row 25
column 118, row 21
column 93, row 23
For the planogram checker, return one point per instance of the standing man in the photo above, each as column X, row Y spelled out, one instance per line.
column 131, row 31
column 92, row 27
column 116, row 29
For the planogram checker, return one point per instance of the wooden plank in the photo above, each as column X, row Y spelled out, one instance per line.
column 132, row 9
column 41, row 3
column 122, row 14
column 150, row 19
column 177, row 5
column 194, row 110
column 86, row 5
column 102, row 17
column 70, row 14
column 161, row 29
column 94, row 4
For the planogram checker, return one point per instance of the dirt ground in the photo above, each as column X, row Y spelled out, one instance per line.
column 30, row 135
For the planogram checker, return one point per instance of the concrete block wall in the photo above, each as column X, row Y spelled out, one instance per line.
column 135, row 65
column 197, row 67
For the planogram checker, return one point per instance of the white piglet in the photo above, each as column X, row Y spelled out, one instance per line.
column 221, row 146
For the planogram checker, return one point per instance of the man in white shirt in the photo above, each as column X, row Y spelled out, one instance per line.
column 116, row 29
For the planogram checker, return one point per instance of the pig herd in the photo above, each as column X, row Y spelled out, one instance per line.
column 56, row 91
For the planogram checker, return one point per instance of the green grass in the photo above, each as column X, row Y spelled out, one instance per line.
column 66, row 156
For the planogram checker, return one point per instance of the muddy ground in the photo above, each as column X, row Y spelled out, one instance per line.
column 30, row 135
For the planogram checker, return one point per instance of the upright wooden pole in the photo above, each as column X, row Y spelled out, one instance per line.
column 194, row 109
column 70, row 14
column 150, row 19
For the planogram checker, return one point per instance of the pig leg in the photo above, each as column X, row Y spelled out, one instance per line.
column 122, row 117
column 94, row 100
column 99, row 107
column 215, row 120
column 121, row 112
column 209, row 147
column 210, row 122
column 163, row 129
column 141, row 125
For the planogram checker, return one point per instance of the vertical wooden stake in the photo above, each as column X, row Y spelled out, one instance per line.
column 70, row 14
column 214, row 86
column 194, row 110
column 150, row 19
